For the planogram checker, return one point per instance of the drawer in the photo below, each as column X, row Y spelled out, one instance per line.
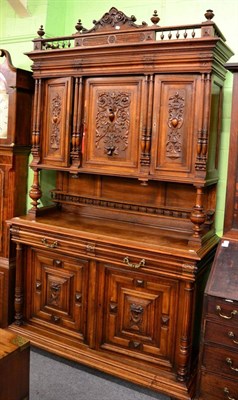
column 223, row 311
column 221, row 360
column 215, row 387
column 223, row 334
column 61, row 244
column 56, row 242
column 85, row 245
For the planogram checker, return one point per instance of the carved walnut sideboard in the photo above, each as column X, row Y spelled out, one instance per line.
column 112, row 275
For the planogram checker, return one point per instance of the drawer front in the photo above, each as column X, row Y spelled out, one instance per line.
column 223, row 311
column 221, row 360
column 214, row 387
column 58, row 243
column 222, row 334
column 83, row 245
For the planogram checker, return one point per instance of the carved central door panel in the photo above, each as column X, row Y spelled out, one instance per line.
column 59, row 289
column 174, row 131
column 56, row 124
column 139, row 316
column 113, row 121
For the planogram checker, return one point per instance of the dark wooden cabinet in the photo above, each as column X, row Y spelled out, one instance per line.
column 15, row 366
column 16, row 94
column 218, row 378
column 112, row 275
column 219, row 349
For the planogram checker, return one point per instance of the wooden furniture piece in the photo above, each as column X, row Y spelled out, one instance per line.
column 113, row 274
column 219, row 344
column 16, row 94
column 14, row 366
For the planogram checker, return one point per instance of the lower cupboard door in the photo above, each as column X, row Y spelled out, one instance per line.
column 139, row 316
column 59, row 291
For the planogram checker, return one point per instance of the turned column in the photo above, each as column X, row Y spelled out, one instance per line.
column 19, row 286
column 185, row 337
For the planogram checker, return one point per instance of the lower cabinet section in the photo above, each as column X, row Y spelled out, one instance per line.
column 133, row 312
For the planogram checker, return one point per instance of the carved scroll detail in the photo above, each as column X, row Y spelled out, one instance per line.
column 113, row 19
column 56, row 108
column 175, row 122
column 112, row 121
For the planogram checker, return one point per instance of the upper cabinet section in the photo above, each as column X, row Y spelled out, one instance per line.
column 130, row 100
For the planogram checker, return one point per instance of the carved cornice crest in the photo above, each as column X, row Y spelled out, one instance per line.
column 114, row 19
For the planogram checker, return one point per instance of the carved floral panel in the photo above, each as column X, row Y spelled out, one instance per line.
column 56, row 127
column 113, row 122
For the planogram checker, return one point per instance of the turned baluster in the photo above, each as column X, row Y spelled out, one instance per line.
column 198, row 216
column 35, row 192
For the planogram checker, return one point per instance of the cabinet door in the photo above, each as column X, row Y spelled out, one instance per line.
column 139, row 316
column 113, row 119
column 175, row 126
column 56, row 129
column 59, row 290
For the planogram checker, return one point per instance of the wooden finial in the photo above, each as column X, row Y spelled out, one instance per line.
column 155, row 19
column 41, row 31
column 79, row 27
column 209, row 15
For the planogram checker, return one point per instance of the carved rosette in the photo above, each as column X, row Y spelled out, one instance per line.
column 113, row 122
column 56, row 108
column 175, row 123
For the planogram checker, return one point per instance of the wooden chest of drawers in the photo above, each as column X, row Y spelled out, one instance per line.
column 14, row 366
column 219, row 356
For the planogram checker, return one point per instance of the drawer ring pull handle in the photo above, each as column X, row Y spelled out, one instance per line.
column 126, row 261
column 230, row 363
column 227, row 393
column 232, row 336
column 233, row 313
column 50, row 246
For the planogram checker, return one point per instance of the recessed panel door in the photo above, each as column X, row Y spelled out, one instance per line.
column 139, row 317
column 56, row 129
column 113, row 123
column 59, row 291
column 177, row 112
